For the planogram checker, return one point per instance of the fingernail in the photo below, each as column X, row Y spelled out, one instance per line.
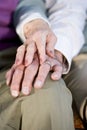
column 25, row 90
column 14, row 93
column 38, row 84
column 55, row 76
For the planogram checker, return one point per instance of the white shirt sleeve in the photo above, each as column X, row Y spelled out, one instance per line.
column 67, row 19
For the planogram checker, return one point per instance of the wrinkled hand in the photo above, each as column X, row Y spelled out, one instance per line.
column 20, row 78
column 40, row 39
column 55, row 65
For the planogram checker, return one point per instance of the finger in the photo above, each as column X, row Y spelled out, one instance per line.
column 57, row 72
column 9, row 75
column 51, row 41
column 43, row 72
column 29, row 76
column 16, row 80
column 20, row 55
column 41, row 44
column 30, row 51
column 59, row 56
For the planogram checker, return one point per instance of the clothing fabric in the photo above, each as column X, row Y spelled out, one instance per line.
column 76, row 80
column 62, row 16
column 8, row 36
column 48, row 108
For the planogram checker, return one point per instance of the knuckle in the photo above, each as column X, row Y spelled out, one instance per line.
column 40, row 78
column 21, row 48
column 30, row 49
column 14, row 86
column 32, row 66
column 19, row 69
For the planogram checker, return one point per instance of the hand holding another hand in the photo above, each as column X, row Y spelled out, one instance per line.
column 40, row 39
column 20, row 78
column 35, row 59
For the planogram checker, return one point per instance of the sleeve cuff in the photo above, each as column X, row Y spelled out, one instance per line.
column 64, row 46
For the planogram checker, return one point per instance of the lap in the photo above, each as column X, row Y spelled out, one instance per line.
column 52, row 98
column 48, row 107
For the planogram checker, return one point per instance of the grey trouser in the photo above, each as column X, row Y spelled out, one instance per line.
column 49, row 108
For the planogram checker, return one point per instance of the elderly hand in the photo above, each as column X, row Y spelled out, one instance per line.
column 40, row 39
column 55, row 65
column 21, row 78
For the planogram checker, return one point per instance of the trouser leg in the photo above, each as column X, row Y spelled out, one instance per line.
column 45, row 109
column 48, row 108
column 76, row 81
